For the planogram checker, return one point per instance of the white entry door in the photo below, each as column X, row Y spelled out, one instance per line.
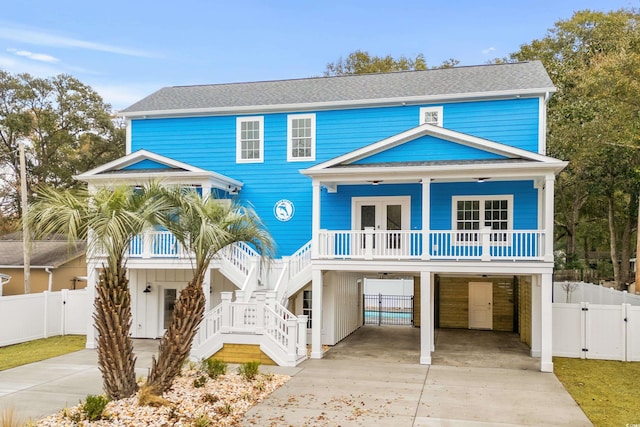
column 169, row 294
column 383, row 214
column 480, row 305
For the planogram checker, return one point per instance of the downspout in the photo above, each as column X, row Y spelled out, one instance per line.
column 50, row 277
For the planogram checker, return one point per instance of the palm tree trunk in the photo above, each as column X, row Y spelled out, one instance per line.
column 113, row 322
column 176, row 342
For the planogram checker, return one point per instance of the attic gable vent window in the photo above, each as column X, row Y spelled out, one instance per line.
column 431, row 115
column 249, row 139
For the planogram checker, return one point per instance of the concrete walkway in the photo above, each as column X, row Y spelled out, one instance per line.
column 356, row 384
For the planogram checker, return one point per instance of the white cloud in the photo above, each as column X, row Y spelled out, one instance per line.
column 41, row 38
column 43, row 57
column 489, row 50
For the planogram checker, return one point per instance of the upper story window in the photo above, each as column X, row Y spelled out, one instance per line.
column 301, row 137
column 249, row 139
column 431, row 115
column 472, row 213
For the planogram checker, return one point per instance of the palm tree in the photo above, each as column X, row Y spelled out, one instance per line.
column 204, row 226
column 108, row 219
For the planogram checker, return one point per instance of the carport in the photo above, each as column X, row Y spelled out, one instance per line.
column 454, row 347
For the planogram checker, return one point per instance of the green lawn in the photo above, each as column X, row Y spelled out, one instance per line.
column 607, row 391
column 33, row 351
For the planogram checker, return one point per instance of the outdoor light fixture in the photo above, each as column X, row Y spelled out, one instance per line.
column 376, row 182
column 482, row 179
column 147, row 289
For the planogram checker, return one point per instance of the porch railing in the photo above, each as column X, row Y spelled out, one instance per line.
column 286, row 333
column 485, row 244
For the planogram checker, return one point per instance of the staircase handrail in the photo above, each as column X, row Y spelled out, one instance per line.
column 210, row 325
column 300, row 259
column 281, row 326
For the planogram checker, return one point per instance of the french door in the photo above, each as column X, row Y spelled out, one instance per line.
column 384, row 215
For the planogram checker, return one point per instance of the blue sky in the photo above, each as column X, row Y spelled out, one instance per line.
column 128, row 49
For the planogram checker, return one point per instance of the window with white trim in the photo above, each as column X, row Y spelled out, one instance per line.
column 301, row 137
column 306, row 306
column 431, row 115
column 249, row 139
column 472, row 213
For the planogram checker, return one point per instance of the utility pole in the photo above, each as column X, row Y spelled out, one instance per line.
column 637, row 287
column 26, row 238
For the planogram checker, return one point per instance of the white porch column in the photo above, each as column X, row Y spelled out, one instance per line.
column 316, row 314
column 206, row 190
column 315, row 220
column 92, row 280
column 426, row 323
column 548, row 217
column 546, row 326
column 426, row 210
column 536, row 298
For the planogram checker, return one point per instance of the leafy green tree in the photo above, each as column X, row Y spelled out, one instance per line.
column 65, row 126
column 204, row 226
column 111, row 217
column 593, row 59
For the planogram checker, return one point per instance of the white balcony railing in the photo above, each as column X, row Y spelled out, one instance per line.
column 482, row 245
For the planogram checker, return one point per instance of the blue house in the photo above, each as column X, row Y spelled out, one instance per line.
column 439, row 176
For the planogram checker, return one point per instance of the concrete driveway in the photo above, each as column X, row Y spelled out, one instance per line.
column 370, row 379
column 373, row 378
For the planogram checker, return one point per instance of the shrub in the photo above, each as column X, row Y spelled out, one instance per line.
column 214, row 367
column 225, row 410
column 202, row 421
column 210, row 398
column 249, row 370
column 93, row 408
column 200, row 381
column 8, row 418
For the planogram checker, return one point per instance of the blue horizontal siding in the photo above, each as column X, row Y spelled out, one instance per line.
column 428, row 148
column 337, row 207
column 210, row 143
column 145, row 164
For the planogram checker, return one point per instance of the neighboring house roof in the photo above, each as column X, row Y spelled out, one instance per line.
column 496, row 80
column 145, row 165
column 44, row 253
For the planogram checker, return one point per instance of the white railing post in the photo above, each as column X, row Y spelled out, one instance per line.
column 239, row 295
column 485, row 234
column 302, row 335
column 225, row 306
column 292, row 338
column 45, row 296
column 260, row 314
column 147, row 245
column 368, row 243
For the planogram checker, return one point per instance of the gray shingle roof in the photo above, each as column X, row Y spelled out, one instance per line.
column 43, row 252
column 446, row 82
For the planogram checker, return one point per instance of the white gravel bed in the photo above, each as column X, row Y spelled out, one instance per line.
column 220, row 402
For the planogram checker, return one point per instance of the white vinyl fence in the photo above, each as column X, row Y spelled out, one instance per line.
column 32, row 316
column 596, row 331
column 576, row 292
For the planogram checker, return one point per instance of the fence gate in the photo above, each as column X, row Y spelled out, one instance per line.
column 388, row 309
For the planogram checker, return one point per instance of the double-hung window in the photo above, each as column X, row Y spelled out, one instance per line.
column 473, row 213
column 301, row 137
column 431, row 115
column 249, row 139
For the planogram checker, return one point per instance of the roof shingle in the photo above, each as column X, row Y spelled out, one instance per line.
column 445, row 82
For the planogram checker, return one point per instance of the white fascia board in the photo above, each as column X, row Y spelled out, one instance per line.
column 217, row 180
column 466, row 171
column 135, row 157
column 31, row 266
column 329, row 105
column 520, row 268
